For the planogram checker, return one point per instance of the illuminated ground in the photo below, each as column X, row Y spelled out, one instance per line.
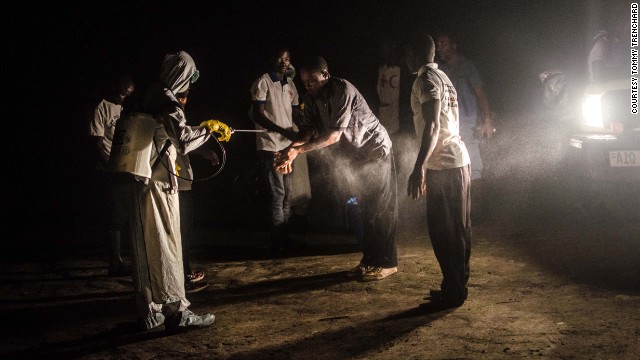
column 566, row 293
column 549, row 280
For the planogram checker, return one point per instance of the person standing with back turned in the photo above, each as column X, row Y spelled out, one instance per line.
column 102, row 126
column 446, row 182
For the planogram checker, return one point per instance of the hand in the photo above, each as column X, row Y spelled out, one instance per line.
column 287, row 168
column 487, row 130
column 283, row 160
column 417, row 186
column 218, row 127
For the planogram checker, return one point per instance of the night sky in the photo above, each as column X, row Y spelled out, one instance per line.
column 64, row 50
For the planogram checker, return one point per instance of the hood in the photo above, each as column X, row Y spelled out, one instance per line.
column 176, row 71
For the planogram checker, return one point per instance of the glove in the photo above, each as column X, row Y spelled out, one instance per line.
column 216, row 126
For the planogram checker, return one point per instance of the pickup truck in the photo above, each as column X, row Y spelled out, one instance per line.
column 604, row 152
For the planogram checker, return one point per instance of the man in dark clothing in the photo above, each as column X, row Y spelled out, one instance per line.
column 336, row 112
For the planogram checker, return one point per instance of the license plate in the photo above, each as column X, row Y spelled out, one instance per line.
column 624, row 158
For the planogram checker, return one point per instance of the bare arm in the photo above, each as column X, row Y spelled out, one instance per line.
column 101, row 150
column 302, row 137
column 431, row 114
column 298, row 115
column 485, row 111
column 319, row 142
column 301, row 145
column 262, row 120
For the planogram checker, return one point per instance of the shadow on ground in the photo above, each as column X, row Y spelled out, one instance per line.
column 355, row 340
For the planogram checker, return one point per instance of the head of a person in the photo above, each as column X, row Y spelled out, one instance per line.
column 122, row 87
column 314, row 74
column 419, row 50
column 446, row 45
column 280, row 59
column 178, row 71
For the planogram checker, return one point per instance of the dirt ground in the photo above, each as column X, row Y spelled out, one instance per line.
column 547, row 281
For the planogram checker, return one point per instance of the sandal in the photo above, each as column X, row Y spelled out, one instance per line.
column 195, row 276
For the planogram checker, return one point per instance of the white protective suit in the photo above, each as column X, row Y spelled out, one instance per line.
column 157, row 248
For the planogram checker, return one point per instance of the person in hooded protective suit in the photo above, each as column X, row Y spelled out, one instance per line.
column 145, row 152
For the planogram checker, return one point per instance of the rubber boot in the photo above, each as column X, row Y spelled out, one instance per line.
column 180, row 321
column 116, row 264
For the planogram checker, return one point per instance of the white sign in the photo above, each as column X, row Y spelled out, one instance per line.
column 624, row 158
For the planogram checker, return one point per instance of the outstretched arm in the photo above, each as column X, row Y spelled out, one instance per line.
column 303, row 144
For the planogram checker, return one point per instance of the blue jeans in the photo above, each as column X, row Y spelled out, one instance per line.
column 278, row 190
column 473, row 147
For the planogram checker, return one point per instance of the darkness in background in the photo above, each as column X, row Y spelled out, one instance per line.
column 61, row 51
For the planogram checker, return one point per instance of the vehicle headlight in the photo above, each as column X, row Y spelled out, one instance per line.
column 592, row 110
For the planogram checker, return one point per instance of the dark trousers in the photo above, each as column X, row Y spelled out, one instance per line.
column 278, row 189
column 186, row 227
column 108, row 203
column 449, row 223
column 119, row 215
column 376, row 190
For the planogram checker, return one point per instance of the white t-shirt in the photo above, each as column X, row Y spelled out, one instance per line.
column 278, row 98
column 103, row 123
column 431, row 83
column 389, row 94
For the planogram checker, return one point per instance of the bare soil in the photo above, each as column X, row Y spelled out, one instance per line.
column 548, row 281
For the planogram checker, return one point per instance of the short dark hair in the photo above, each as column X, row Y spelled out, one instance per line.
column 314, row 64
column 430, row 45
column 114, row 82
column 124, row 81
column 275, row 51
column 422, row 44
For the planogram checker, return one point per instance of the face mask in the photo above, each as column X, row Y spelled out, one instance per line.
column 195, row 76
